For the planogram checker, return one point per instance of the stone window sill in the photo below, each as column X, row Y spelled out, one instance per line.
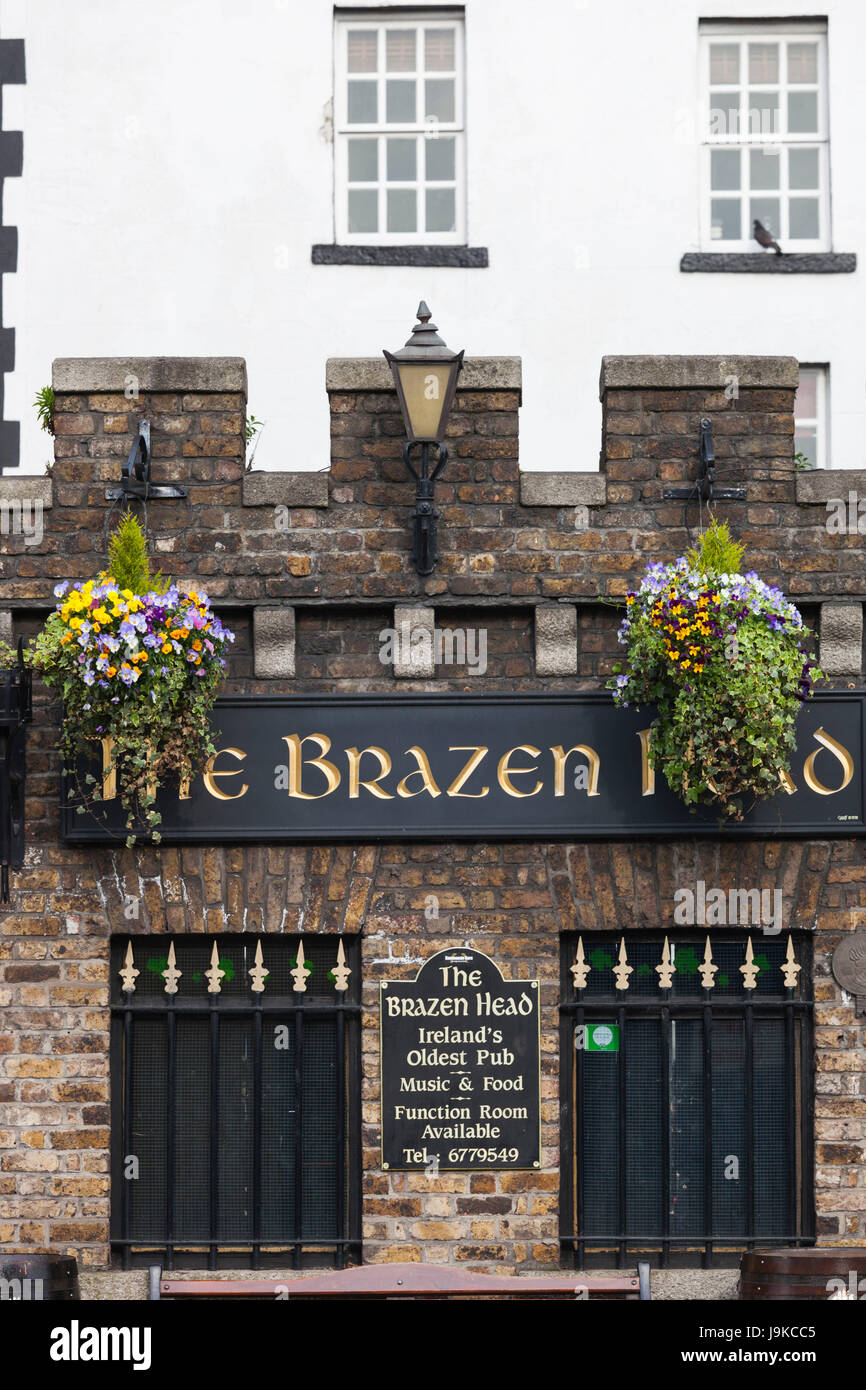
column 762, row 263
column 468, row 257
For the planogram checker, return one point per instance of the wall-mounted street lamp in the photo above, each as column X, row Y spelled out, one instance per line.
column 425, row 374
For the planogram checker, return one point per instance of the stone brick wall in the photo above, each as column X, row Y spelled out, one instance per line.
column 333, row 547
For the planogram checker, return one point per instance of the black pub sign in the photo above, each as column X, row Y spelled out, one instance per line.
column 460, row 1067
column 450, row 767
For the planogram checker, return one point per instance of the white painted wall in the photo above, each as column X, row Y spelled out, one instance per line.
column 178, row 169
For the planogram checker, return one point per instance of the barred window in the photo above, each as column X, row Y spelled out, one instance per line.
column 236, row 1101
column 687, row 1099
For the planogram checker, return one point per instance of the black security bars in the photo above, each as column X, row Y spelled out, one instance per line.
column 691, row 1140
column 236, row 1122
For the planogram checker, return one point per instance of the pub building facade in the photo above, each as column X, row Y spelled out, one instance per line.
column 427, row 966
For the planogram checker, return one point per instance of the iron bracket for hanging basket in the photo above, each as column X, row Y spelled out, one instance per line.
column 135, row 474
column 16, row 710
column 704, row 486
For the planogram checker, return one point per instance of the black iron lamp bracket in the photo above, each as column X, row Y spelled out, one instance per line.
column 704, row 487
column 16, row 710
column 135, row 474
column 425, row 516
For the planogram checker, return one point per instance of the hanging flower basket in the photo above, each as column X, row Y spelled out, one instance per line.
column 725, row 659
column 137, row 663
column 138, row 673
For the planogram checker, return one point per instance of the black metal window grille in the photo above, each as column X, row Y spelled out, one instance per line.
column 687, row 1133
column 236, row 1125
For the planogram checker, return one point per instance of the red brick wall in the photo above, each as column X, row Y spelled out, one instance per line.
column 343, row 566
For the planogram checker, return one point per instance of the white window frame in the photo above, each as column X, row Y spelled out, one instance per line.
column 821, row 419
column 744, row 34
column 423, row 129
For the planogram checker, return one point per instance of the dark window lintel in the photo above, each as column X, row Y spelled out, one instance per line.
column 467, row 257
column 761, row 263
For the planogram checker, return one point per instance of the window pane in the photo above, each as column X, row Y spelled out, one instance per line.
column 724, row 113
column 440, row 158
column 363, row 161
column 770, row 1125
column 362, row 50
column 724, row 62
column 400, row 102
column 402, row 162
column 806, row 443
column 643, row 1088
column 400, row 50
column 363, row 105
column 767, row 211
column 804, row 219
column 363, row 210
column 763, row 113
column 439, row 98
column 687, row 1164
column 806, row 399
column 802, row 112
column 802, row 62
column 724, row 169
column 725, row 219
column 402, row 210
column 728, row 1053
column 763, row 62
column 764, row 168
column 440, row 210
column 439, row 50
column 802, row 168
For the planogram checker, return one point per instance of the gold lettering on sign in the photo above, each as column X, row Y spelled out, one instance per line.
column 647, row 771
column 838, row 751
column 504, row 773
column 467, row 770
column 428, row 781
column 787, row 783
column 151, row 781
column 559, row 761
column 296, row 764
column 109, row 770
column 210, row 773
column 372, row 786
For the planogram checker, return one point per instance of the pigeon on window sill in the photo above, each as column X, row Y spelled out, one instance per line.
column 765, row 238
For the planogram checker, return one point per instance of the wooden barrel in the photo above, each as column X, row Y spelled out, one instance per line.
column 37, row 1275
column 822, row 1272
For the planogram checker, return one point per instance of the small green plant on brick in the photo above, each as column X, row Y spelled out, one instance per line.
column 252, row 433
column 45, row 405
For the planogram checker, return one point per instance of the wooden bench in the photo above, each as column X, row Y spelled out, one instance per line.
column 417, row 1281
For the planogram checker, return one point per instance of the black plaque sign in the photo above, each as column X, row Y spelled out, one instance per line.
column 460, row 1067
